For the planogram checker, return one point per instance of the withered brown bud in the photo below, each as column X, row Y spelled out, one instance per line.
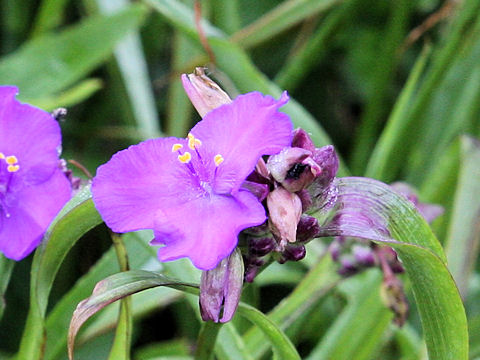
column 285, row 210
column 203, row 92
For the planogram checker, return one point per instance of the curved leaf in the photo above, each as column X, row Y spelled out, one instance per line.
column 75, row 219
column 282, row 346
column 372, row 210
column 114, row 288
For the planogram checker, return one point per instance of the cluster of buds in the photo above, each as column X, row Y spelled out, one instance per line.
column 296, row 182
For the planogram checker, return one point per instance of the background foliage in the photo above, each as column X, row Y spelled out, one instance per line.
column 394, row 85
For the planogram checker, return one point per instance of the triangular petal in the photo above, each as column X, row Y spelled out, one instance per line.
column 241, row 132
column 34, row 209
column 129, row 188
column 206, row 229
column 29, row 133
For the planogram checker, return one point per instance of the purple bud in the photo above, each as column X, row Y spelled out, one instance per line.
column 221, row 288
column 204, row 94
column 335, row 249
column 294, row 168
column 327, row 159
column 251, row 272
column 429, row 211
column 261, row 246
column 292, row 253
column 323, row 190
column 306, row 199
column 364, row 255
column 285, row 210
column 75, row 181
column 302, row 140
column 348, row 265
column 307, row 228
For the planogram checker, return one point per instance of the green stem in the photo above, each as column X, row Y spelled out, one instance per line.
column 206, row 340
column 123, row 334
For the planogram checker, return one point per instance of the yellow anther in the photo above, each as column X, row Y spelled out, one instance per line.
column 2, row 156
column 176, row 147
column 13, row 168
column 185, row 158
column 218, row 159
column 192, row 142
column 11, row 160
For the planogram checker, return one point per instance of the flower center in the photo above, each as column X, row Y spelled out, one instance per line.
column 11, row 161
column 194, row 144
column 185, row 157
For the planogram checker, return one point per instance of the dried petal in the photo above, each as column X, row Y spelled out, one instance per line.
column 204, row 94
column 285, row 210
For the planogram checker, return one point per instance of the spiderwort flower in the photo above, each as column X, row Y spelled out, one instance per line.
column 189, row 191
column 33, row 188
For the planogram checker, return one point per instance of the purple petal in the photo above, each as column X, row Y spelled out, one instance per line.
column 241, row 132
column 29, row 133
column 34, row 209
column 206, row 229
column 130, row 188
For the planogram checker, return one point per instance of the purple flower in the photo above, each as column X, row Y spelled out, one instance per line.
column 33, row 188
column 190, row 190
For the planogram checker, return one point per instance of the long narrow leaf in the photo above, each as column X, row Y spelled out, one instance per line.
column 76, row 218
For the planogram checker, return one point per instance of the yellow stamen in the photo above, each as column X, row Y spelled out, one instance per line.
column 192, row 142
column 2, row 156
column 185, row 158
column 176, row 147
column 13, row 168
column 218, row 159
column 11, row 160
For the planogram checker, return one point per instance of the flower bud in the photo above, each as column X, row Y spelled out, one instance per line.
column 294, row 168
column 221, row 288
column 302, row 140
column 292, row 253
column 285, row 210
column 261, row 246
column 363, row 255
column 307, row 228
column 429, row 211
column 204, row 93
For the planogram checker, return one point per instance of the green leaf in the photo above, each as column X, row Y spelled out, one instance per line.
column 134, row 71
column 6, row 267
column 76, row 218
column 463, row 238
column 51, row 63
column 141, row 256
column 72, row 96
column 359, row 328
column 113, row 288
column 386, row 154
column 282, row 345
column 299, row 64
column 49, row 16
column 438, row 301
column 318, row 281
column 282, row 17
